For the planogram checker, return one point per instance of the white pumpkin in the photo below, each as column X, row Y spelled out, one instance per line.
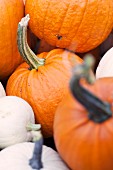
column 105, row 66
column 2, row 91
column 18, row 157
column 16, row 121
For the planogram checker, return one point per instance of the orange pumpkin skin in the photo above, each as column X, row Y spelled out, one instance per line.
column 76, row 25
column 83, row 144
column 10, row 14
column 44, row 88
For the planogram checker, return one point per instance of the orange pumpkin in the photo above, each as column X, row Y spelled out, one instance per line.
column 10, row 14
column 83, row 125
column 76, row 25
column 43, row 81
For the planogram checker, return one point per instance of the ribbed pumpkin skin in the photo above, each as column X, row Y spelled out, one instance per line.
column 43, row 89
column 83, row 144
column 11, row 11
column 76, row 25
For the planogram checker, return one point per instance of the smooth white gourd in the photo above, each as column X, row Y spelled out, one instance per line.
column 2, row 91
column 105, row 66
column 16, row 121
column 18, row 156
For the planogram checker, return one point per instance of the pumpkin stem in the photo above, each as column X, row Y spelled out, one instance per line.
column 99, row 111
column 35, row 162
column 28, row 55
column 33, row 127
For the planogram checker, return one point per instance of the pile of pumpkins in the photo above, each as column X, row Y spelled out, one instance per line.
column 50, row 87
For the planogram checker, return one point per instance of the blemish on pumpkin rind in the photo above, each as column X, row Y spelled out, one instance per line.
column 59, row 37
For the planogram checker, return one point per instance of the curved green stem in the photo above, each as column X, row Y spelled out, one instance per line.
column 28, row 55
column 33, row 127
column 99, row 111
column 35, row 162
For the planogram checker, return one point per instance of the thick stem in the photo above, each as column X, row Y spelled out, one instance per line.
column 33, row 127
column 28, row 55
column 99, row 111
column 35, row 162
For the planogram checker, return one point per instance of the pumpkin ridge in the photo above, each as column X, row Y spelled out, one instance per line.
column 102, row 35
column 25, row 94
column 21, row 84
column 13, row 84
column 109, row 128
column 33, row 102
column 94, row 143
column 89, row 34
column 51, row 76
column 10, row 24
column 56, row 69
column 45, row 18
column 90, row 28
column 50, row 54
column 107, row 20
column 82, row 18
column 83, row 123
column 106, row 25
column 70, row 41
column 109, row 148
column 18, row 82
column 62, row 23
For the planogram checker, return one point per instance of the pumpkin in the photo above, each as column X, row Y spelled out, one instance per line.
column 83, row 123
column 2, row 90
column 29, row 156
column 43, row 81
column 76, row 25
column 105, row 66
column 10, row 14
column 16, row 121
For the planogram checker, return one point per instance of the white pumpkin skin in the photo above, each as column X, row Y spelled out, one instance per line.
column 2, row 91
column 17, row 157
column 15, row 114
column 105, row 66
